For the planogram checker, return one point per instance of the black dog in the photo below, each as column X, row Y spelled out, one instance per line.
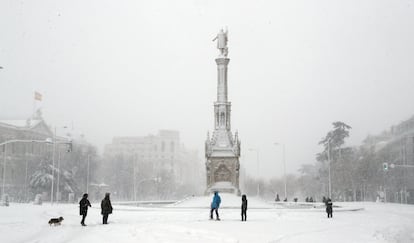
column 55, row 221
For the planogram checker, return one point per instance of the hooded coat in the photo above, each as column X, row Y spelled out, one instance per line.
column 83, row 205
column 216, row 201
column 329, row 206
column 106, row 206
column 244, row 203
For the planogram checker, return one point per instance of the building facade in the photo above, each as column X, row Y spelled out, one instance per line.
column 162, row 150
column 395, row 147
column 19, row 160
column 26, row 167
column 151, row 160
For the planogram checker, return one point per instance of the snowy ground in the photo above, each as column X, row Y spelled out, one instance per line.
column 188, row 221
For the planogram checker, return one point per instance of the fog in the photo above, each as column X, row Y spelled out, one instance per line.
column 130, row 68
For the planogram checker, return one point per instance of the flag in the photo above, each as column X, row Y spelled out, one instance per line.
column 37, row 96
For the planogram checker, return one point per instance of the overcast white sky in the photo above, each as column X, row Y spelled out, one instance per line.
column 119, row 68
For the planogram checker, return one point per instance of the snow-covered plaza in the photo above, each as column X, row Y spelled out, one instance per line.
column 188, row 221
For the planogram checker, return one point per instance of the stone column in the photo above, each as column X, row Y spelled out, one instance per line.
column 222, row 79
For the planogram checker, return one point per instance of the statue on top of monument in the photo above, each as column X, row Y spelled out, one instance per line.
column 222, row 42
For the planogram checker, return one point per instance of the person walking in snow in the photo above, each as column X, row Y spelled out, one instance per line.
column 106, row 208
column 83, row 207
column 215, row 206
column 244, row 208
column 329, row 207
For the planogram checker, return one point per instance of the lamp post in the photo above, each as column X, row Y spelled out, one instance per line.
column 258, row 169
column 87, row 175
column 58, row 179
column 53, row 167
column 48, row 140
column 4, row 169
column 58, row 164
column 284, row 166
column 134, row 185
column 58, row 174
column 329, row 169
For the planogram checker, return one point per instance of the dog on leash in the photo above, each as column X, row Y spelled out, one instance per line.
column 55, row 221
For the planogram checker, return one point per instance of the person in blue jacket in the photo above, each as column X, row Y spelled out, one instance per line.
column 215, row 205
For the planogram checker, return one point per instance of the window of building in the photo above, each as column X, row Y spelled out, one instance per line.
column 162, row 146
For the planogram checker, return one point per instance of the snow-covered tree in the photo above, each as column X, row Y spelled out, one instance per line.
column 41, row 180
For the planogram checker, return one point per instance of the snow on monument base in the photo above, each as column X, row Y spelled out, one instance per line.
column 224, row 187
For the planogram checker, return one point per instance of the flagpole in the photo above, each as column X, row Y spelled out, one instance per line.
column 37, row 97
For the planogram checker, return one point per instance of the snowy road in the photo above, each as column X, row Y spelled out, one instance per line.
column 188, row 222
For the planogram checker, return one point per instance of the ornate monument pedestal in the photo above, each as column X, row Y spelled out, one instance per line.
column 222, row 150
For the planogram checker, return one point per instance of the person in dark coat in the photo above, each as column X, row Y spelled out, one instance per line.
column 83, row 207
column 215, row 206
column 277, row 198
column 329, row 207
column 244, row 208
column 106, row 208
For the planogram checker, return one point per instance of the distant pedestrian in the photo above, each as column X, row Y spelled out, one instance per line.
column 306, row 199
column 277, row 198
column 106, row 208
column 215, row 206
column 83, row 207
column 244, row 208
column 329, row 207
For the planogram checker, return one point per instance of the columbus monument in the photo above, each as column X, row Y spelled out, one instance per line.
column 222, row 150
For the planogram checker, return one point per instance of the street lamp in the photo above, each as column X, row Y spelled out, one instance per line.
column 329, row 169
column 134, row 186
column 86, row 151
column 258, row 171
column 48, row 141
column 284, row 165
column 87, row 175
column 58, row 169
